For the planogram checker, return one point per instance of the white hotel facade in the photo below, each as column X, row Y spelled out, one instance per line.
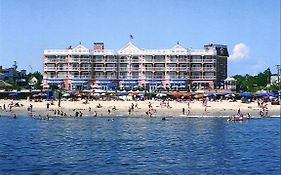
column 130, row 66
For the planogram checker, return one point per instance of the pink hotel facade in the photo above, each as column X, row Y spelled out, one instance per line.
column 130, row 66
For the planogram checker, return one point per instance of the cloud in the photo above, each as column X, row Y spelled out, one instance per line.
column 239, row 52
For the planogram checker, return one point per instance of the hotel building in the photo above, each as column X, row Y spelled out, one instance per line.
column 130, row 66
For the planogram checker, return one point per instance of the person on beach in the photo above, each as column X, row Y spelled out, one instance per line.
column 90, row 109
column 238, row 112
column 129, row 111
column 4, row 107
column 132, row 106
column 248, row 115
column 30, row 107
column 183, row 111
column 109, row 112
column 48, row 106
column 95, row 114
column 114, row 108
column 188, row 104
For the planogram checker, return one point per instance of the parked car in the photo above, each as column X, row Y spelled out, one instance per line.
column 275, row 101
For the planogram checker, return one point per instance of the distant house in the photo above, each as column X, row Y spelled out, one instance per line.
column 12, row 74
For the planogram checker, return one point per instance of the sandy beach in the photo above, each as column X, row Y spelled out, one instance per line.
column 174, row 108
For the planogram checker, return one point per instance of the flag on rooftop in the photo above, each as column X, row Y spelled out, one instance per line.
column 131, row 37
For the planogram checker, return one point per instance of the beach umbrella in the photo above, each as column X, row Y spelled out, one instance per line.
column 245, row 94
column 176, row 94
column 211, row 95
column 14, row 94
column 4, row 85
column 197, row 96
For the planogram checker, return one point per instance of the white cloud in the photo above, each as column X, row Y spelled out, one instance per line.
column 239, row 52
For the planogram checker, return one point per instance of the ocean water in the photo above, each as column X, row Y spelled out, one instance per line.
column 108, row 145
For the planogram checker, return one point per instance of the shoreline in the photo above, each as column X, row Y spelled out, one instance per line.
column 169, row 109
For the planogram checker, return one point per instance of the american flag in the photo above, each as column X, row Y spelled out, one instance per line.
column 131, row 37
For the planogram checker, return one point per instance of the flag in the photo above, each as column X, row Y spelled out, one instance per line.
column 131, row 37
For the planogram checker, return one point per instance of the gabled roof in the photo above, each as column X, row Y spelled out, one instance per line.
column 178, row 48
column 80, row 47
column 129, row 48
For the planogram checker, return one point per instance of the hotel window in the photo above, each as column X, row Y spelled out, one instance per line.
column 62, row 74
column 135, row 75
column 148, row 58
column 124, row 59
column 172, row 75
column 148, row 75
column 159, row 75
column 159, row 58
column 51, row 75
column 135, row 59
column 173, row 58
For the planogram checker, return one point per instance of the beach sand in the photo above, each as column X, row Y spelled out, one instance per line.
column 214, row 109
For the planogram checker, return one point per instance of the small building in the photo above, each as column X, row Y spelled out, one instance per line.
column 230, row 84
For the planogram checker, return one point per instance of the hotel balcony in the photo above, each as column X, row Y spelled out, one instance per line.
column 209, row 60
column 111, row 77
column 209, row 69
column 209, row 77
column 196, row 60
column 183, row 60
column 85, row 68
column 159, row 68
column 149, row 69
column 184, row 68
column 159, row 60
column 196, row 68
column 136, row 69
column 62, row 68
column 171, row 68
column 110, row 69
column 52, row 60
column 73, row 68
column 123, row 69
column 124, row 60
column 50, row 68
column 87, row 60
column 135, row 60
column 196, row 77
column 148, row 60
column 172, row 60
column 99, row 68
column 111, row 60
column 98, row 60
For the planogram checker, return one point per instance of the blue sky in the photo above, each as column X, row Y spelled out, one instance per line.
column 250, row 27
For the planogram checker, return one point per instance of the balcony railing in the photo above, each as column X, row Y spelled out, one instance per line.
column 110, row 60
column 196, row 60
column 62, row 68
column 184, row 68
column 148, row 69
column 208, row 60
column 148, row 60
column 159, row 68
column 50, row 60
column 136, row 69
column 123, row 68
column 209, row 77
column 196, row 68
column 183, row 60
column 209, row 69
column 123, row 60
column 135, row 60
column 110, row 68
column 99, row 68
column 50, row 68
column 171, row 68
column 85, row 68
